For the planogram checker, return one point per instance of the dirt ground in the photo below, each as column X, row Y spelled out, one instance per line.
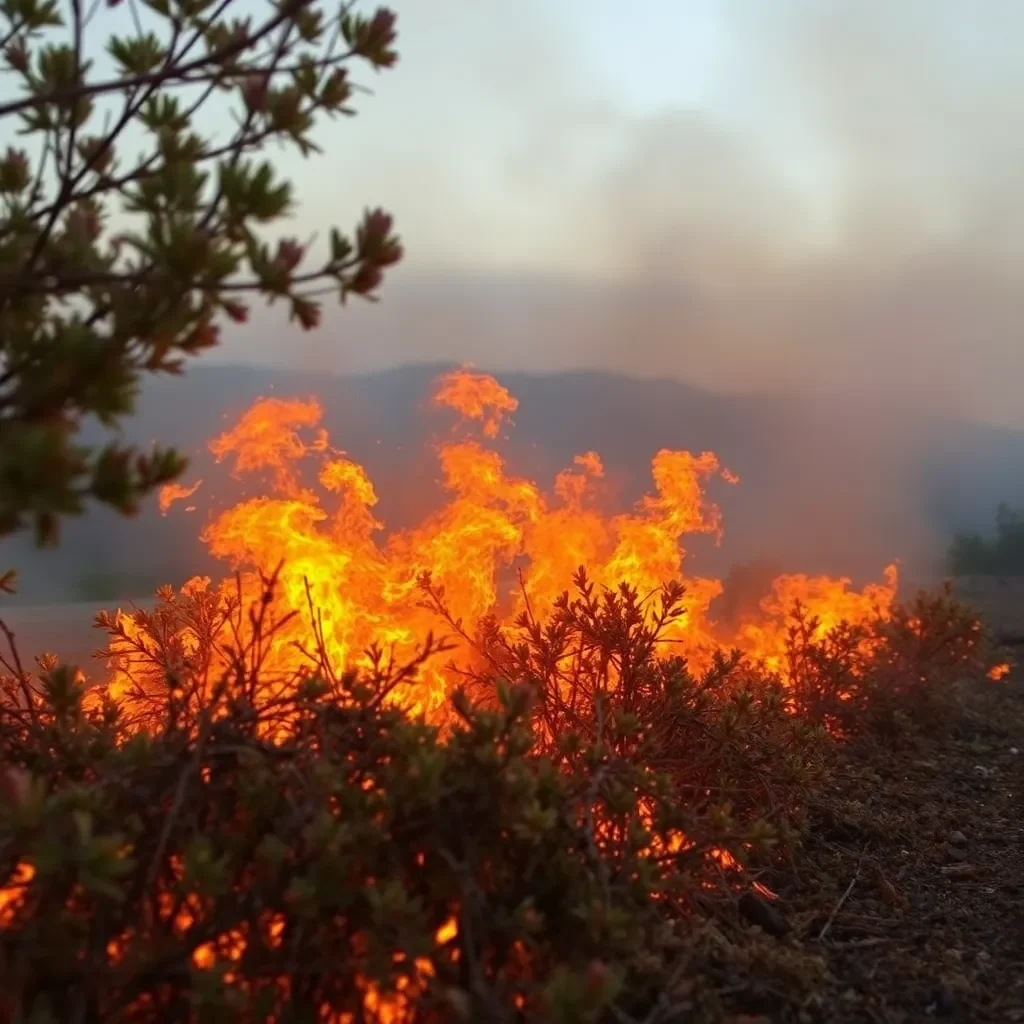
column 907, row 902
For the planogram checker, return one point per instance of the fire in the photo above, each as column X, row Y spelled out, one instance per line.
column 366, row 587
column 362, row 587
column 12, row 894
column 173, row 492
column 476, row 396
column 999, row 672
column 828, row 600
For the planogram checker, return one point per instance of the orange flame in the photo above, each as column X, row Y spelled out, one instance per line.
column 173, row 492
column 367, row 587
column 476, row 396
column 12, row 894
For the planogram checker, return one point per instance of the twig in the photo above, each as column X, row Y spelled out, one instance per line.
column 868, row 943
column 17, row 670
column 839, row 905
column 167, row 73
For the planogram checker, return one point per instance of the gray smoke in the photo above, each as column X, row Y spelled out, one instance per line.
column 846, row 216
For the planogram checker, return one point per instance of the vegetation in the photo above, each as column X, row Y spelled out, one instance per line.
column 128, row 233
column 231, row 847
column 971, row 554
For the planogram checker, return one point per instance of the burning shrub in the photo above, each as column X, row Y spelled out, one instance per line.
column 234, row 844
column 256, row 817
column 896, row 671
column 321, row 854
column 602, row 670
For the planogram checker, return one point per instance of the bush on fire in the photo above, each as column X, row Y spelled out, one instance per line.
column 310, row 851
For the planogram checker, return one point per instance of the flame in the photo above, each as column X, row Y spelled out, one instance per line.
column 395, row 1007
column 229, row 947
column 999, row 672
column 366, row 587
column 825, row 599
column 172, row 492
column 12, row 894
column 476, row 396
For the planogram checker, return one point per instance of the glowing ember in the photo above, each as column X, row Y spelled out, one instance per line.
column 368, row 587
column 11, row 895
column 998, row 672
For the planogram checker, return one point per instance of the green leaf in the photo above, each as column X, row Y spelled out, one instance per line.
column 136, row 56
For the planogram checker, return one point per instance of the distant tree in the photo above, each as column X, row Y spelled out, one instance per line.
column 138, row 221
column 971, row 554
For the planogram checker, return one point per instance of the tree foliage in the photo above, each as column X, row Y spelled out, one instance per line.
column 136, row 220
column 1001, row 554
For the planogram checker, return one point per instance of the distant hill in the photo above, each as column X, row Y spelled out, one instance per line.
column 826, row 484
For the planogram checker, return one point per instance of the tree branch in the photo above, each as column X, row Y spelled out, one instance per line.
column 168, row 72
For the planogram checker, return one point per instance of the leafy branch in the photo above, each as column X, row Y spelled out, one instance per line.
column 87, row 309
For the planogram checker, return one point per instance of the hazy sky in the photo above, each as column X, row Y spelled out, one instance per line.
column 743, row 193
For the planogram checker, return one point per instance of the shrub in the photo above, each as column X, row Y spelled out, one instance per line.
column 222, row 845
column 602, row 669
column 897, row 672
column 271, row 852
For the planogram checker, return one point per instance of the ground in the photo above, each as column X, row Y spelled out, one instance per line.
column 907, row 901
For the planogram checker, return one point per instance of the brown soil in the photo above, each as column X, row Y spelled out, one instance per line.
column 906, row 903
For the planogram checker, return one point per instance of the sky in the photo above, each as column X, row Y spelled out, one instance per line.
column 812, row 195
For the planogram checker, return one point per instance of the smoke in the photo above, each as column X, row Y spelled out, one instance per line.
column 815, row 198
column 823, row 199
column 838, row 209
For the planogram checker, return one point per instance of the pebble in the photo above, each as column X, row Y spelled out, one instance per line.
column 957, row 838
column 955, row 853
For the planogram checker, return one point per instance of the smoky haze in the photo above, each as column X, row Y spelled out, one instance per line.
column 831, row 220
column 840, row 209
column 822, row 488
column 807, row 257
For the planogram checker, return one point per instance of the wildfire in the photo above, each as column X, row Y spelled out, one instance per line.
column 356, row 587
column 366, row 587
